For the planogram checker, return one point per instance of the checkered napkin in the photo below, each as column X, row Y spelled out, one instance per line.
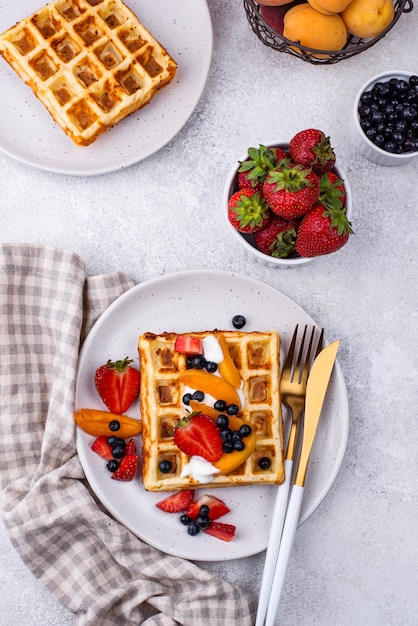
column 92, row 564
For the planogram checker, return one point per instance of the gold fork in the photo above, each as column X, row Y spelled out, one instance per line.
column 293, row 390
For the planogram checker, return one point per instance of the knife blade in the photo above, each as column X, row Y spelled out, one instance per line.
column 316, row 390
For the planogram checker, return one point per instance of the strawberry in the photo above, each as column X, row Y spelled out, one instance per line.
column 248, row 211
column 188, row 345
column 217, row 507
column 176, row 502
column 323, row 231
column 277, row 238
column 117, row 384
column 254, row 169
column 101, row 446
column 130, row 447
column 312, row 148
column 291, row 190
column 220, row 530
column 127, row 468
column 198, row 435
column 332, row 191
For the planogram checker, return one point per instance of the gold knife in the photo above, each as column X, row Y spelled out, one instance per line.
column 316, row 390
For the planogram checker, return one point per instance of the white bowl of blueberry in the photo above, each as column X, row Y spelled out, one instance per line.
column 386, row 118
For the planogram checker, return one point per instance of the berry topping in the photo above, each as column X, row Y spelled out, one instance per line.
column 198, row 435
column 176, row 502
column 127, row 468
column 264, row 463
column 114, row 425
column 165, row 466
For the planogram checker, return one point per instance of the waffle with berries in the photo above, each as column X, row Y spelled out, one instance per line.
column 90, row 62
column 256, row 357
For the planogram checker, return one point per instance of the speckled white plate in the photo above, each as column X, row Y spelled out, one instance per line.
column 28, row 133
column 202, row 300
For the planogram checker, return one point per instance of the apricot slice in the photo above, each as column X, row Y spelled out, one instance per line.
column 96, row 423
column 227, row 367
column 201, row 407
column 229, row 462
column 216, row 386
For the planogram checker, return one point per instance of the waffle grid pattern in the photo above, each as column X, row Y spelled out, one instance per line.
column 256, row 355
column 90, row 62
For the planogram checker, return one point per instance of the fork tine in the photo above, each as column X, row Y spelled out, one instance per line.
column 298, row 365
column 320, row 343
column 307, row 363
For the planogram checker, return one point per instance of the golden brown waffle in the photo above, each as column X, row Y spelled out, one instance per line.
column 256, row 355
column 90, row 62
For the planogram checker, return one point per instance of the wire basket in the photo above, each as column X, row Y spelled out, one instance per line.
column 354, row 45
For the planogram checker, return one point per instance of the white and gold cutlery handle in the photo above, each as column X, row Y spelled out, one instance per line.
column 279, row 513
column 288, row 536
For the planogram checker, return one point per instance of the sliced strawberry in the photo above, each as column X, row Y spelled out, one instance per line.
column 130, row 447
column 102, row 448
column 188, row 345
column 217, row 507
column 127, row 468
column 220, row 530
column 198, row 435
column 177, row 502
column 117, row 384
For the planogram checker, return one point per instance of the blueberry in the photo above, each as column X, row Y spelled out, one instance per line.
column 185, row 519
column 118, row 452
column 264, row 463
column 211, row 366
column 186, row 398
column 165, row 466
column 239, row 445
column 112, row 465
column 193, row 529
column 199, row 362
column 114, row 425
column 222, row 421
column 226, row 434
column 245, row 430
column 220, row 405
column 232, row 409
column 198, row 395
column 189, row 362
column 202, row 521
column 238, row 321
column 204, row 509
column 409, row 113
column 227, row 446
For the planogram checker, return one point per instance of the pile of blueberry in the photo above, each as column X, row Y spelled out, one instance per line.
column 202, row 521
column 388, row 114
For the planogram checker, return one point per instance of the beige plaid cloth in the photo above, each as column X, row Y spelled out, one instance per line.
column 91, row 563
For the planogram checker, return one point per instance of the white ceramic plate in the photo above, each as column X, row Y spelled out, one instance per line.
column 202, row 300
column 28, row 133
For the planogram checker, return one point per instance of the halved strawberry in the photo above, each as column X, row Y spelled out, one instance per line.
column 130, row 447
column 220, row 530
column 217, row 507
column 176, row 502
column 127, row 468
column 188, row 345
column 117, row 383
column 198, row 435
column 102, row 448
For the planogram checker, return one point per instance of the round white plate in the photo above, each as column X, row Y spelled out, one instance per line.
column 29, row 134
column 202, row 300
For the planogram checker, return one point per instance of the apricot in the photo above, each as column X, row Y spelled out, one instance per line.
column 329, row 7
column 313, row 29
column 216, row 386
column 229, row 462
column 227, row 367
column 368, row 18
column 96, row 422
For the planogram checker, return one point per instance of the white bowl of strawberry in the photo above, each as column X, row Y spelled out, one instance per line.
column 288, row 203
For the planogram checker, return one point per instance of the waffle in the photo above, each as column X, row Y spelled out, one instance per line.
column 256, row 356
column 90, row 62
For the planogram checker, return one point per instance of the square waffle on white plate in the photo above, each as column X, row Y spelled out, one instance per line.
column 165, row 378
column 90, row 62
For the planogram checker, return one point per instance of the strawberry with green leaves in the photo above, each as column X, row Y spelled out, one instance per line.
column 312, row 148
column 248, row 212
column 291, row 190
column 278, row 238
column 332, row 191
column 322, row 231
column 117, row 384
column 198, row 435
column 253, row 171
